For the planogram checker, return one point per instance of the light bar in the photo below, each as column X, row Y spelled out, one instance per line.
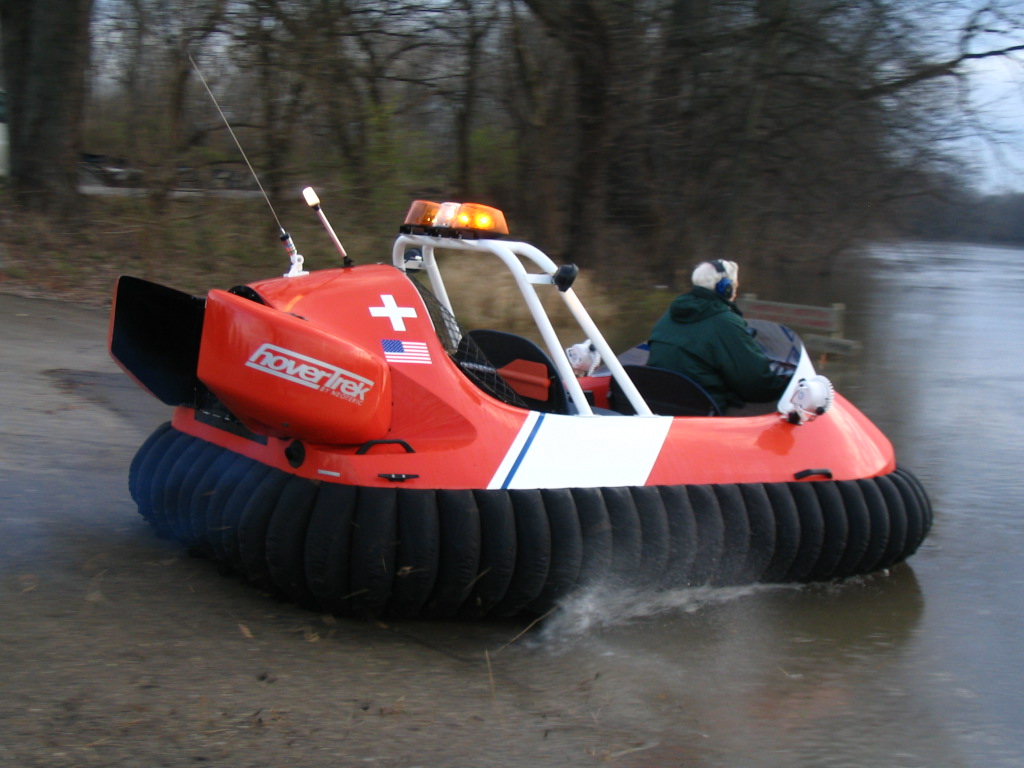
column 456, row 218
column 422, row 213
column 481, row 218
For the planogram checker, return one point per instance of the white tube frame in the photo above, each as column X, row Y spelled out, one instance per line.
column 509, row 252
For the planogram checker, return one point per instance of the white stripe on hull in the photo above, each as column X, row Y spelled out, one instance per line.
column 555, row 451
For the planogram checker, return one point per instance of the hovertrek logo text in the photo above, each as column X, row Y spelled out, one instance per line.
column 310, row 372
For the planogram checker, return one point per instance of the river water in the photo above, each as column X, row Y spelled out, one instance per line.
column 920, row 666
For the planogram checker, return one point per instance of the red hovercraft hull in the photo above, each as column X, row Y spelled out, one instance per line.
column 330, row 444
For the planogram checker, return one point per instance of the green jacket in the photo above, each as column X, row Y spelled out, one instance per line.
column 705, row 337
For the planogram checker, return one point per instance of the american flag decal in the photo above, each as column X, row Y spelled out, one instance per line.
column 396, row 351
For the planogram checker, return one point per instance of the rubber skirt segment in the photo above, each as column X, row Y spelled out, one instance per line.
column 417, row 552
column 374, row 548
column 459, row 557
column 682, row 532
column 328, row 548
column 787, row 534
column 405, row 552
column 656, row 535
column 566, row 548
column 141, row 473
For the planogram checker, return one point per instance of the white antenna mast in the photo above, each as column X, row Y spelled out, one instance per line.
column 313, row 201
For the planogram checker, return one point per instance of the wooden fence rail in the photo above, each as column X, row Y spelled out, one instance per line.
column 821, row 328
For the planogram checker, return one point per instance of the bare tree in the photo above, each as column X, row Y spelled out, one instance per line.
column 585, row 28
column 149, row 86
column 45, row 55
column 759, row 129
column 644, row 133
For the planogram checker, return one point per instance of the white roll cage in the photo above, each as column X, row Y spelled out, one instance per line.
column 512, row 253
column 530, row 283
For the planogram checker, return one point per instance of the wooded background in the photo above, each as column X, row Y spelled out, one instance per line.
column 639, row 135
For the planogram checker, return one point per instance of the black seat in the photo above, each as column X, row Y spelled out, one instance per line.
column 525, row 367
column 668, row 393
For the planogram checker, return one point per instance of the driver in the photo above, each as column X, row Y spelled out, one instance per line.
column 704, row 336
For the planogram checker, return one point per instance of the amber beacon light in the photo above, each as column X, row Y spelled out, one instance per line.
column 455, row 219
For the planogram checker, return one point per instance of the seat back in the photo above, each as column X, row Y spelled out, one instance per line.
column 525, row 367
column 668, row 393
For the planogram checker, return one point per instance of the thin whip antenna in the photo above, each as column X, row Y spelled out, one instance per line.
column 293, row 255
column 237, row 142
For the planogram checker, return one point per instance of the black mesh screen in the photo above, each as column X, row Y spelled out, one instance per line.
column 465, row 352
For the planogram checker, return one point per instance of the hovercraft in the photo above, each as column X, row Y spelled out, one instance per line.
column 340, row 440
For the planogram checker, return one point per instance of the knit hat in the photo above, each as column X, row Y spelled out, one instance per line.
column 719, row 276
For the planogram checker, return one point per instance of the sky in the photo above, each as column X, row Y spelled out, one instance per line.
column 998, row 95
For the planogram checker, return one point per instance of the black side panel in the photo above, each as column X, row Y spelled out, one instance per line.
column 155, row 336
column 668, row 393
